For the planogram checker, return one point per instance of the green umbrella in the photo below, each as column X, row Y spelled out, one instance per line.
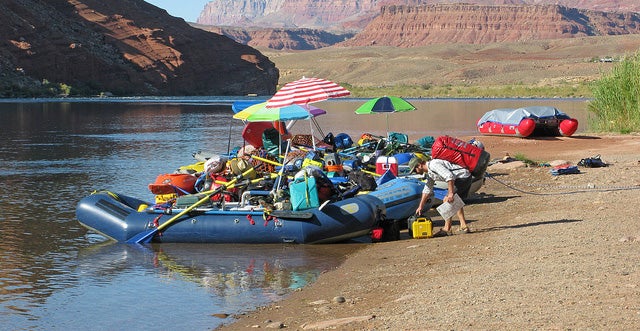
column 385, row 105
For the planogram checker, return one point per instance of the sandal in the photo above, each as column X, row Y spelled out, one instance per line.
column 441, row 233
column 464, row 230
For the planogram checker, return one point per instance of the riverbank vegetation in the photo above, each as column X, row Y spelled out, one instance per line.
column 562, row 90
column 559, row 68
column 616, row 98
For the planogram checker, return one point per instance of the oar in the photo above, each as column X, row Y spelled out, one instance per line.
column 146, row 236
column 244, row 183
column 266, row 160
column 279, row 178
column 371, row 173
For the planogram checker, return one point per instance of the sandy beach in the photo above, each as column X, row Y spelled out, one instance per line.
column 546, row 253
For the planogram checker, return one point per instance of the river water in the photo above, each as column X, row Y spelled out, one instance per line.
column 56, row 275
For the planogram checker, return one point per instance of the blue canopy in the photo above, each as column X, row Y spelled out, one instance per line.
column 239, row 105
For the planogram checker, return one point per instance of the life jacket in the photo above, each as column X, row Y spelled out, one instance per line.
column 229, row 195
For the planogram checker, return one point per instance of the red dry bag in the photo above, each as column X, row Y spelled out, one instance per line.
column 461, row 153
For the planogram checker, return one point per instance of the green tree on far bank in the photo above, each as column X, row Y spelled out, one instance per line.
column 616, row 98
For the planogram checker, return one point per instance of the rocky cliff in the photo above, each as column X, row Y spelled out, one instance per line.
column 305, row 24
column 126, row 47
column 411, row 26
column 280, row 38
column 353, row 15
column 330, row 15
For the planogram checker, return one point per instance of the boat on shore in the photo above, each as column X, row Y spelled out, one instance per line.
column 378, row 215
column 527, row 121
column 121, row 218
column 334, row 207
column 308, row 196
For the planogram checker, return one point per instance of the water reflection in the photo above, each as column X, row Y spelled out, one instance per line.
column 225, row 270
column 223, row 279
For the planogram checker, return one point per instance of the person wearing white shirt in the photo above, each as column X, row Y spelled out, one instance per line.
column 458, row 180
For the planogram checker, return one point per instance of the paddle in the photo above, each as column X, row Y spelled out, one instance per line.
column 146, row 236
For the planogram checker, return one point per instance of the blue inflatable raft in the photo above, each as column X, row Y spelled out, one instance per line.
column 121, row 218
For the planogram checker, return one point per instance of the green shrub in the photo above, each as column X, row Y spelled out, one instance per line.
column 523, row 158
column 616, row 98
column 579, row 90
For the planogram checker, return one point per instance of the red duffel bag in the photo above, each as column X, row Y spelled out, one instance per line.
column 461, row 153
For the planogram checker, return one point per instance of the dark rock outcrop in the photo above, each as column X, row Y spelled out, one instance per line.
column 125, row 47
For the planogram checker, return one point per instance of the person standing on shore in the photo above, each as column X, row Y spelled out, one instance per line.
column 458, row 180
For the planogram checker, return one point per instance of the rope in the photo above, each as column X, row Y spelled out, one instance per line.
column 250, row 218
column 576, row 189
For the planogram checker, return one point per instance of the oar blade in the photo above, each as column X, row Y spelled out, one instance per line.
column 143, row 237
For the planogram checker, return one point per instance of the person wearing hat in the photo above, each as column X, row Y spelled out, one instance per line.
column 458, row 180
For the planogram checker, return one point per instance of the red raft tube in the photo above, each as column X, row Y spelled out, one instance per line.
column 527, row 121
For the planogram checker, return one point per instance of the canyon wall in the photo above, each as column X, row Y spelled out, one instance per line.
column 125, row 47
column 354, row 15
column 412, row 26
column 304, row 24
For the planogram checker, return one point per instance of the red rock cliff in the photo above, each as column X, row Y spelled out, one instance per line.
column 353, row 15
column 126, row 47
column 410, row 26
column 280, row 38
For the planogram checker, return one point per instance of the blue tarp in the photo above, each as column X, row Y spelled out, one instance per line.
column 513, row 116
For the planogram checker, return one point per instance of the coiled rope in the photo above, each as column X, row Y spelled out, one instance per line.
column 589, row 188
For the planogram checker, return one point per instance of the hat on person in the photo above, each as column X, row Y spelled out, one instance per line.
column 413, row 163
column 477, row 143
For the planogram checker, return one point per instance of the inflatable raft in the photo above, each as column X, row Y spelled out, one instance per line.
column 527, row 121
column 122, row 218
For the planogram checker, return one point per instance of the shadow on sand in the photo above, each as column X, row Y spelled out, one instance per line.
column 525, row 225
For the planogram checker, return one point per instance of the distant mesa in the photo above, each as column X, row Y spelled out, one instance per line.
column 303, row 25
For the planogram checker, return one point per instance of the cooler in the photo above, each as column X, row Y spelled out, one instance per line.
column 422, row 228
column 384, row 163
column 304, row 194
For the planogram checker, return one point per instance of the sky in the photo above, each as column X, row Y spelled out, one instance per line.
column 189, row 10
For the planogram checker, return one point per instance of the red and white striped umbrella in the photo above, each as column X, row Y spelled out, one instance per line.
column 306, row 90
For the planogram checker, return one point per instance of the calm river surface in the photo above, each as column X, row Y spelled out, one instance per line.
column 55, row 275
